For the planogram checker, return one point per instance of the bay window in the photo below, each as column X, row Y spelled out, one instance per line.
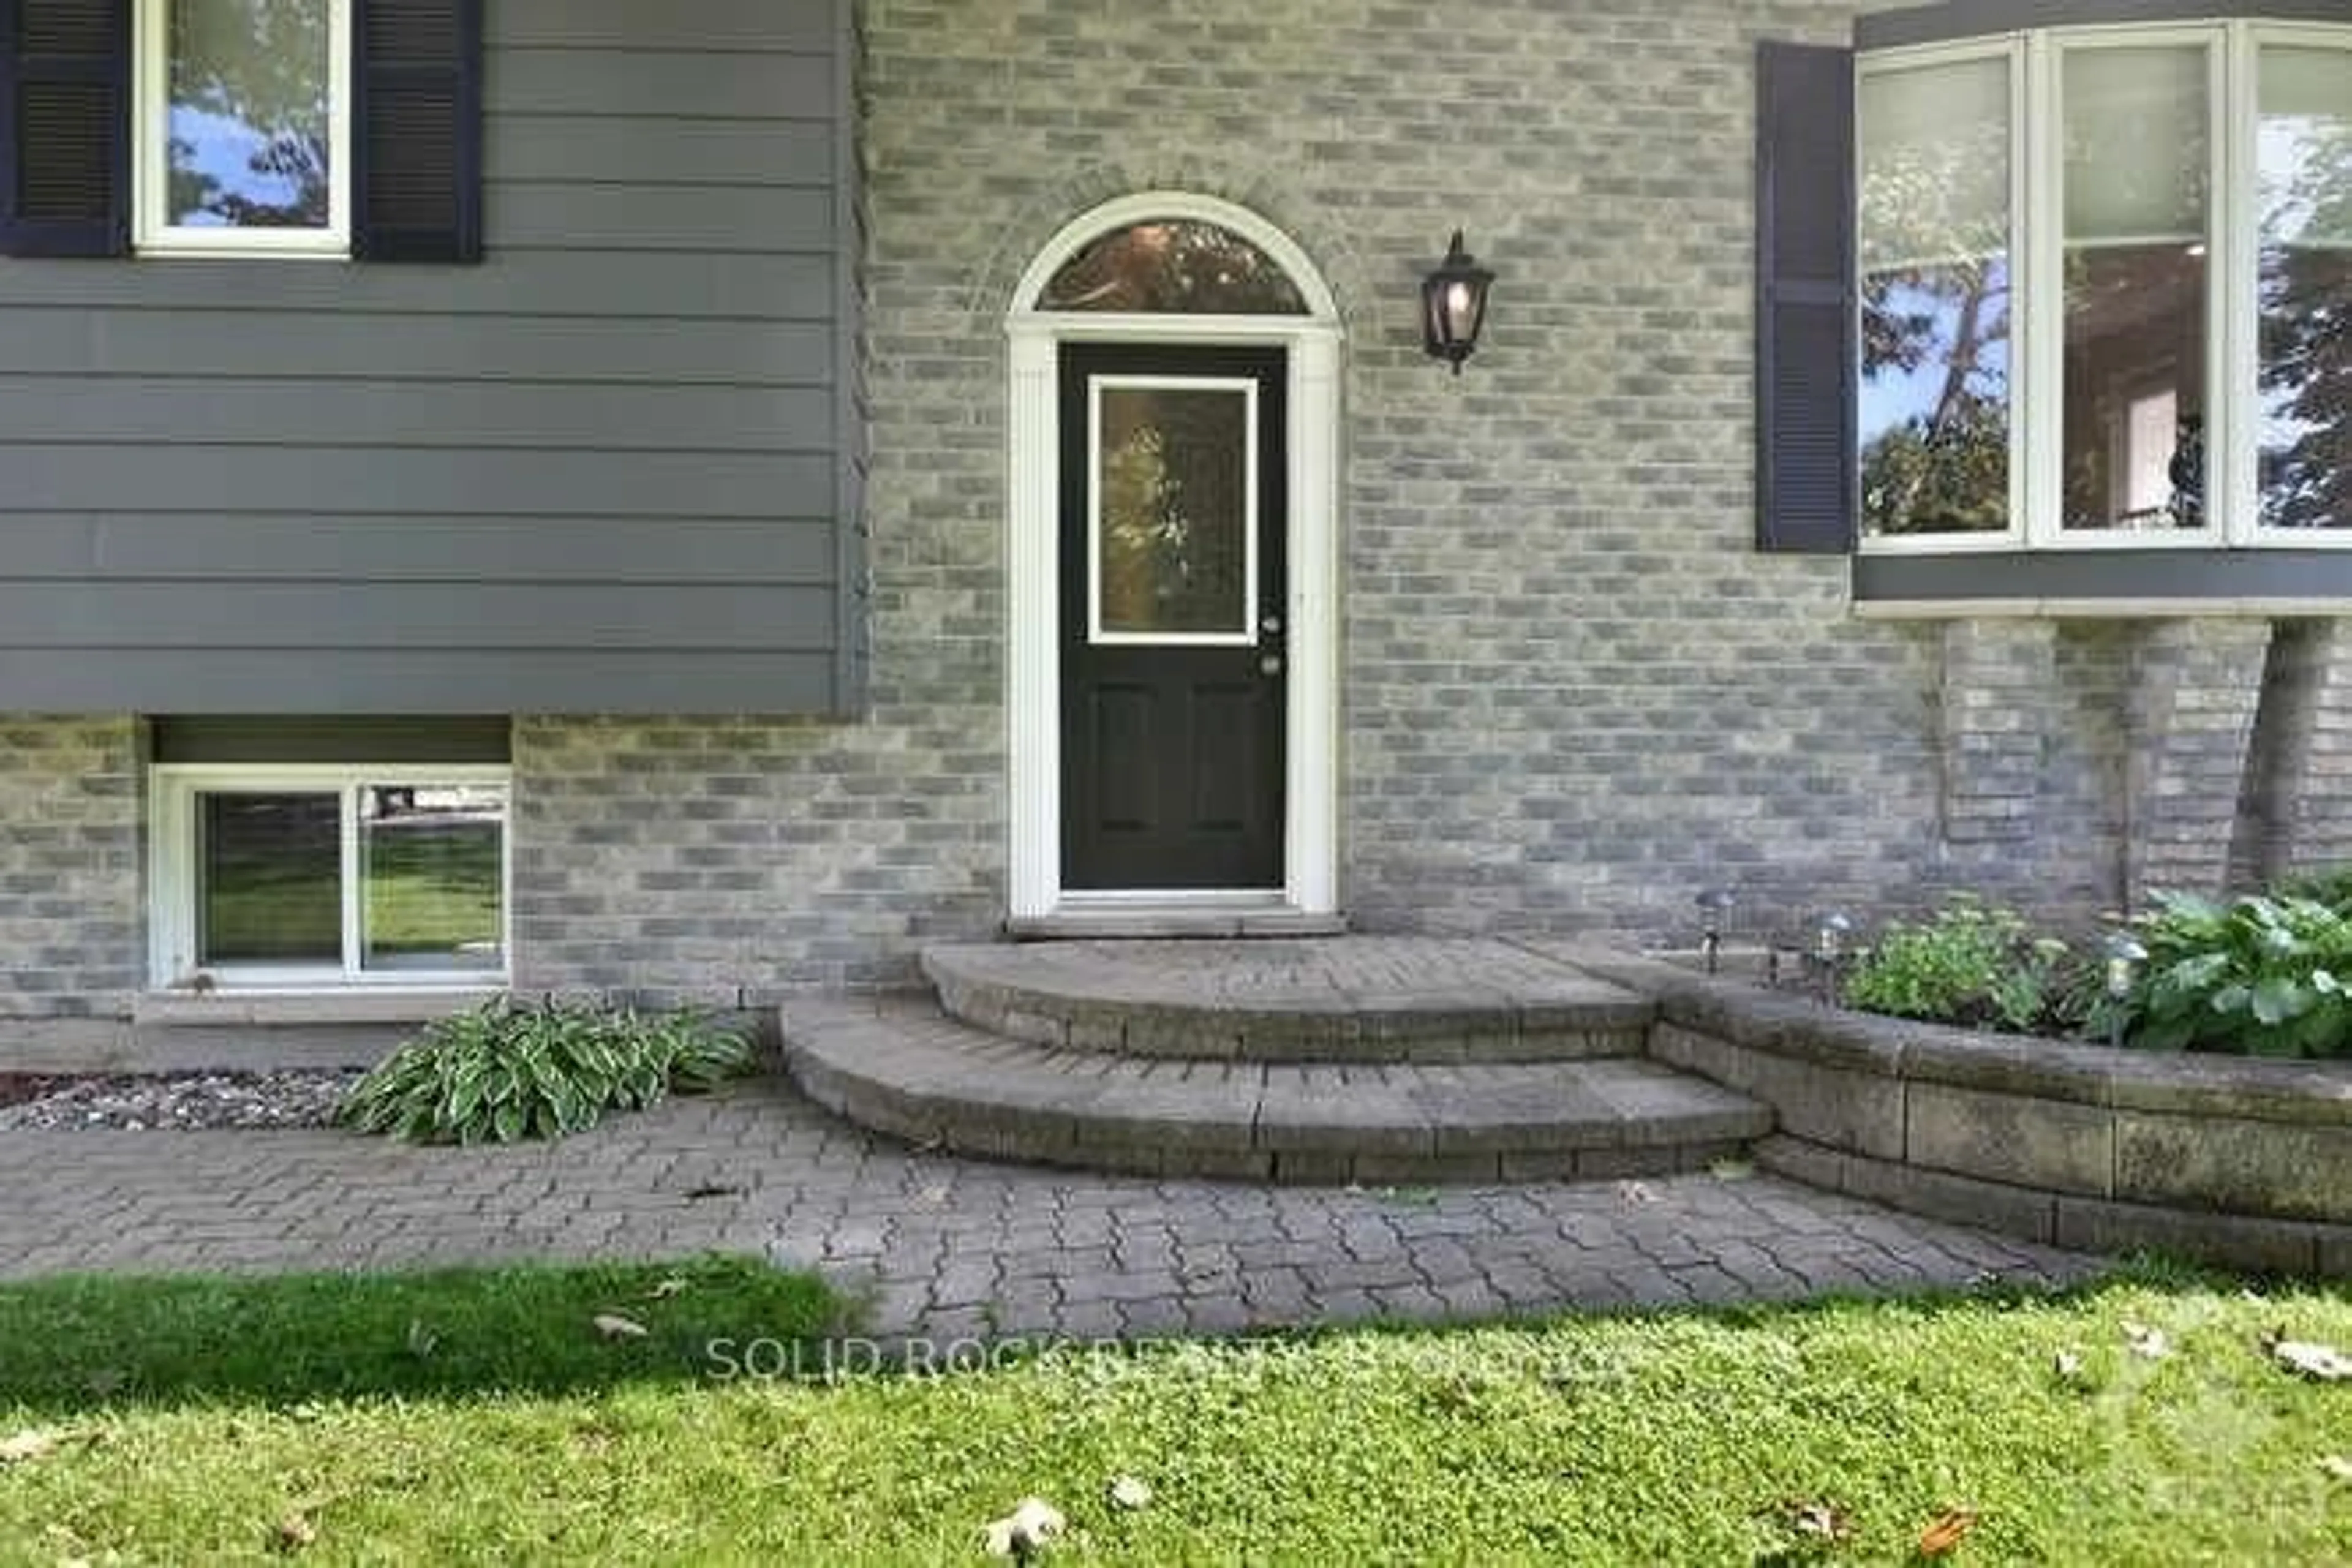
column 2104, row 281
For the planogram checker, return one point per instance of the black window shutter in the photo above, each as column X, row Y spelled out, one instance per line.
column 1805, row 350
column 416, row 167
column 64, row 128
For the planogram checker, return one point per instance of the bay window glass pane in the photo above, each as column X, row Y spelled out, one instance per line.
column 2137, row 152
column 248, row 89
column 2304, row 154
column 269, row 879
column 1935, row 247
column 431, row 876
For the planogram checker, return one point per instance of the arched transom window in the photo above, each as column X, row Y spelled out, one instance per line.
column 1182, row 266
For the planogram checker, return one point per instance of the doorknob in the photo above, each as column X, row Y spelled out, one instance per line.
column 1271, row 626
column 1270, row 664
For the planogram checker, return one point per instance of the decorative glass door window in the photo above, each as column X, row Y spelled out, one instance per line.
column 1172, row 504
column 329, row 876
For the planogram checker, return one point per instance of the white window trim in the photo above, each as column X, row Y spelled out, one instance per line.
column 153, row 234
column 2037, row 315
column 1032, row 663
column 1245, row 636
column 173, row 874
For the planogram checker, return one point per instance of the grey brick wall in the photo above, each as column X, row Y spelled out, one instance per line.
column 70, row 856
column 1573, row 693
column 694, row 859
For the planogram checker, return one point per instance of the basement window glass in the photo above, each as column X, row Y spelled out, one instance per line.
column 305, row 877
column 241, row 127
column 2105, row 275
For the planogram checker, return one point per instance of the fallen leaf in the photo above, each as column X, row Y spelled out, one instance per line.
column 2069, row 1366
column 1032, row 1523
column 1732, row 1170
column 1947, row 1530
column 33, row 1443
column 664, row 1289
column 614, row 1326
column 1636, row 1193
column 1817, row 1520
column 2324, row 1364
column 2336, row 1465
column 2146, row 1342
column 294, row 1532
column 1129, row 1493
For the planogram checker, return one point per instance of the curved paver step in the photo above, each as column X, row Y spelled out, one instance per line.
column 901, row 1066
column 1331, row 999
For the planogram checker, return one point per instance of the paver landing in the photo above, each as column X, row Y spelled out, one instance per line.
column 948, row 1248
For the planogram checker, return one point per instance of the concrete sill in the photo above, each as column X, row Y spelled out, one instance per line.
column 181, row 1009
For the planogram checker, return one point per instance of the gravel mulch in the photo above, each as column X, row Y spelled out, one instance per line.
column 171, row 1102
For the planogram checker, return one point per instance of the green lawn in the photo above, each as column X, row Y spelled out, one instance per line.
column 239, row 1420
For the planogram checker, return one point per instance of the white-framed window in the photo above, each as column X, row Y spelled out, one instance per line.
column 2105, row 275
column 241, row 127
column 303, row 876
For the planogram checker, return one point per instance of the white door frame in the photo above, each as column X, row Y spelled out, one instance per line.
column 1033, row 597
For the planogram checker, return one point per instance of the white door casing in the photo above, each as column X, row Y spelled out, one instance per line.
column 1032, row 567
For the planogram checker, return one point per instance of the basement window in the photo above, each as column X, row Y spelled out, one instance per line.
column 296, row 877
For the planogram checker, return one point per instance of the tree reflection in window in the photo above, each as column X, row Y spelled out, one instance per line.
column 249, row 115
column 2305, row 150
column 1936, row 300
column 1177, row 264
column 1175, row 511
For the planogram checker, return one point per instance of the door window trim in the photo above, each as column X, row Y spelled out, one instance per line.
column 1033, row 684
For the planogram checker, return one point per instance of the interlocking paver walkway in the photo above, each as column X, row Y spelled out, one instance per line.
column 946, row 1248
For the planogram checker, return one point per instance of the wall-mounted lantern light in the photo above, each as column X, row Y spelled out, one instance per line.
column 1453, row 305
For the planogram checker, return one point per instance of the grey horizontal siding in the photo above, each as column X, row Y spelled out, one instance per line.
column 650, row 287
column 752, row 153
column 486, row 616
column 620, row 487
column 331, row 345
column 684, row 24
column 236, row 411
column 612, row 469
column 422, row 680
column 203, row 547
column 661, row 84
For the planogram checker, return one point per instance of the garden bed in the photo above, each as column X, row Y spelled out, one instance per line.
column 2235, row 1161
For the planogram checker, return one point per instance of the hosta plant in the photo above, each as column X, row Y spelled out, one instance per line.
column 2260, row 975
column 515, row 1070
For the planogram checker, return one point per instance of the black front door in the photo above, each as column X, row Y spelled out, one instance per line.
column 1172, row 605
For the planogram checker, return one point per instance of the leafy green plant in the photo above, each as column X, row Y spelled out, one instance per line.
column 2331, row 886
column 2261, row 975
column 515, row 1070
column 1971, row 963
